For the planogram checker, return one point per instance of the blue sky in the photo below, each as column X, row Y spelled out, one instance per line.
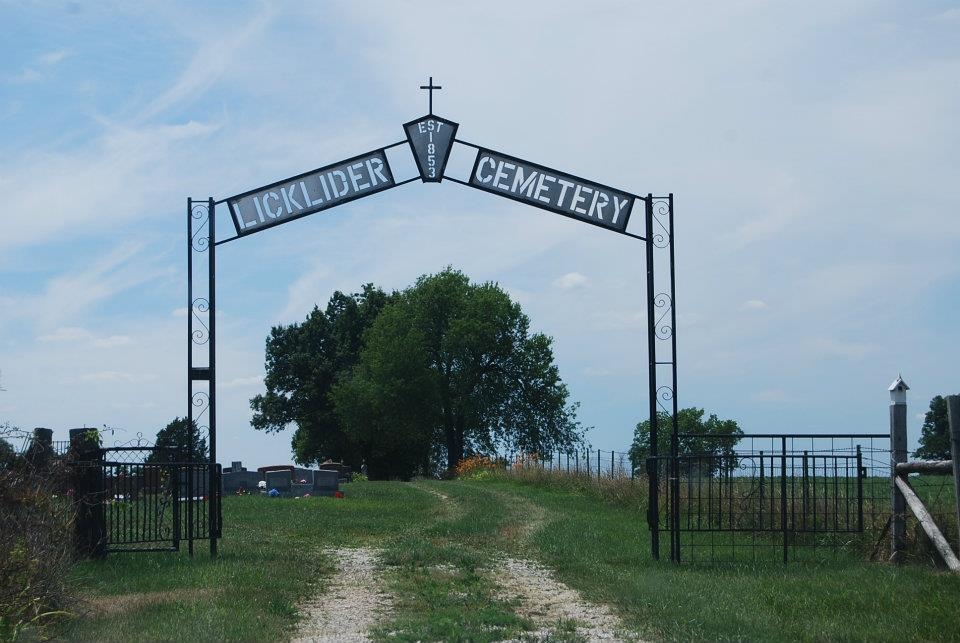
column 812, row 149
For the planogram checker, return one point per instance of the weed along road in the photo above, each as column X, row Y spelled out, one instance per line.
column 489, row 559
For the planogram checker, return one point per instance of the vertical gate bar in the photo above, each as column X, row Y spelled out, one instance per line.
column 846, row 493
column 190, row 508
column 783, row 496
column 761, row 504
column 814, row 461
column 836, row 494
column 793, row 489
column 805, row 491
column 673, row 357
column 175, row 505
column 859, row 490
column 654, row 486
column 213, row 495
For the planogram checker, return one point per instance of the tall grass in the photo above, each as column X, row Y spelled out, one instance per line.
column 823, row 526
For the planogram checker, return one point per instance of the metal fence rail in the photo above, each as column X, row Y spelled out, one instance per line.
column 153, row 502
column 775, row 497
column 587, row 462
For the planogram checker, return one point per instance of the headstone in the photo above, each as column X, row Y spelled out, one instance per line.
column 279, row 480
column 234, row 481
column 303, row 476
column 298, row 489
column 344, row 472
column 325, row 482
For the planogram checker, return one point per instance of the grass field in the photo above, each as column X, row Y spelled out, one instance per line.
column 272, row 559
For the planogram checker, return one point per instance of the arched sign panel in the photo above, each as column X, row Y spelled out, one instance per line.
column 430, row 140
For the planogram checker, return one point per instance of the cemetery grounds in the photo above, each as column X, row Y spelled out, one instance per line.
column 463, row 560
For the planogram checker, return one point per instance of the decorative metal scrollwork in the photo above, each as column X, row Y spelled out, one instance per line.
column 661, row 215
column 662, row 326
column 199, row 240
column 138, row 441
column 665, row 394
column 201, row 334
column 201, row 402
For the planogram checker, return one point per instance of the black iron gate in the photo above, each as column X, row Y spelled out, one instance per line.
column 154, row 499
column 772, row 497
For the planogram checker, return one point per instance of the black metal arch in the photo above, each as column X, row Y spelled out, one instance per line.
column 202, row 243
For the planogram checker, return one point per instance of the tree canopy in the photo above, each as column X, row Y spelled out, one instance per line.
column 180, row 440
column 714, row 437
column 303, row 361
column 935, row 433
column 416, row 380
column 455, row 364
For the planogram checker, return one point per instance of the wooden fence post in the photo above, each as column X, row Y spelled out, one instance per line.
column 953, row 417
column 898, row 453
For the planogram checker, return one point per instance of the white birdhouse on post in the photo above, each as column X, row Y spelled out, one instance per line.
column 898, row 391
column 898, row 454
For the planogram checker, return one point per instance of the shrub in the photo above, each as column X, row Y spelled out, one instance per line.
column 476, row 465
column 35, row 545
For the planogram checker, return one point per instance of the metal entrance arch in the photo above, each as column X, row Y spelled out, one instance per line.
column 430, row 139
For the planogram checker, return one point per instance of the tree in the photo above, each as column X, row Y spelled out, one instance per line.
column 180, row 440
column 714, row 437
column 935, row 433
column 302, row 363
column 448, row 369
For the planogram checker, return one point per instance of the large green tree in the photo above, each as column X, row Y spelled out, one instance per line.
column 179, row 440
column 448, row 369
column 935, row 433
column 303, row 361
column 714, row 437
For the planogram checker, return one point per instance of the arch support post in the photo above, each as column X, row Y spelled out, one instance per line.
column 198, row 470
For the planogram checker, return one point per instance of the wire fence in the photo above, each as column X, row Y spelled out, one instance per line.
column 594, row 463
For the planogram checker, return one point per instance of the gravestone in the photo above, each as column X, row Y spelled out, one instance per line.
column 344, row 472
column 304, row 475
column 325, row 482
column 279, row 480
column 298, row 489
column 233, row 481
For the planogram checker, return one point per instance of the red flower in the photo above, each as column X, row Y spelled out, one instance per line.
column 338, row 494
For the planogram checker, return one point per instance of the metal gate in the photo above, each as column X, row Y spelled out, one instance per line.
column 153, row 499
column 772, row 497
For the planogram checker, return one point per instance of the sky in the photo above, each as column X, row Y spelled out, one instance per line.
column 811, row 148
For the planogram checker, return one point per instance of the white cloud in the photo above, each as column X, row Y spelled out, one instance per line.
column 107, row 376
column 949, row 15
column 214, row 57
column 70, row 294
column 113, row 341
column 53, row 57
column 39, row 71
column 592, row 371
column 571, row 280
column 837, row 348
column 66, row 334
column 617, row 320
column 242, row 382
column 754, row 304
column 82, row 336
column 771, row 395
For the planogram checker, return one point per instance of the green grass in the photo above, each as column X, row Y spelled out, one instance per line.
column 437, row 553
